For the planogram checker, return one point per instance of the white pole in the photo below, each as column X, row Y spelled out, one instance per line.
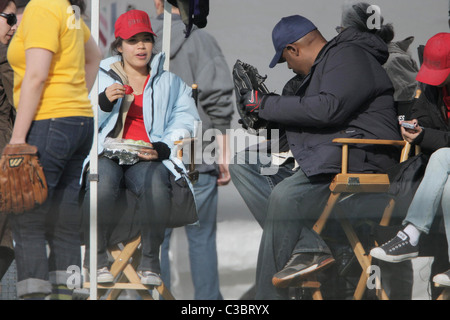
column 167, row 31
column 93, row 174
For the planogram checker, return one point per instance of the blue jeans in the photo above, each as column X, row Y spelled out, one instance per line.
column 202, row 242
column 433, row 192
column 149, row 183
column 63, row 144
column 289, row 203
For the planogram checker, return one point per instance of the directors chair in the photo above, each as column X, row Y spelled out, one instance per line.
column 343, row 186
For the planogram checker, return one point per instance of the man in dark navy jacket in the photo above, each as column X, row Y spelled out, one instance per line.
column 345, row 93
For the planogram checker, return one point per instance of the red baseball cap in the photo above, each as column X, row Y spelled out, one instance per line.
column 436, row 60
column 131, row 23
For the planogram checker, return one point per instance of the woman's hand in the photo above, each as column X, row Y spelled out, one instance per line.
column 114, row 92
column 410, row 135
column 147, row 154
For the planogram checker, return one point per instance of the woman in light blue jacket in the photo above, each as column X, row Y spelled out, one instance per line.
column 138, row 100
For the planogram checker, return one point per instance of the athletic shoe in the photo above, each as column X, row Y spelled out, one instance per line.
column 150, row 278
column 104, row 276
column 396, row 250
column 300, row 266
column 442, row 279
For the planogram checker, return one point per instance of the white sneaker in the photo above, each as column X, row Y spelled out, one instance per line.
column 104, row 275
column 150, row 278
column 442, row 279
column 396, row 250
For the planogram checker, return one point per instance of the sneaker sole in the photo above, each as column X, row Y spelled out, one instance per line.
column 151, row 283
column 441, row 280
column 108, row 279
column 302, row 274
column 381, row 255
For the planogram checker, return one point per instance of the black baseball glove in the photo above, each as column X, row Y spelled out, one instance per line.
column 250, row 90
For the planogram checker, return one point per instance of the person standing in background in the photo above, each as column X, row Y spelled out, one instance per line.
column 199, row 60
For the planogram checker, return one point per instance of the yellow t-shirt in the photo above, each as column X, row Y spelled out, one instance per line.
column 51, row 25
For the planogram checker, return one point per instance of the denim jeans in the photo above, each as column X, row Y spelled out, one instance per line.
column 149, row 182
column 63, row 144
column 255, row 179
column 288, row 212
column 202, row 243
column 433, row 191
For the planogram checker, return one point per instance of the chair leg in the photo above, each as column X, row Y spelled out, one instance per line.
column 312, row 283
column 363, row 259
column 124, row 267
column 387, row 214
column 320, row 224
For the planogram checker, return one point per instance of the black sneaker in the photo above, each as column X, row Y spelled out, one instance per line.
column 397, row 249
column 300, row 266
column 442, row 279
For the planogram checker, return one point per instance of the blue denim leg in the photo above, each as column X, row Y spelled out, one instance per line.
column 255, row 181
column 294, row 205
column 63, row 144
column 433, row 191
column 202, row 243
column 427, row 198
column 109, row 186
column 153, row 209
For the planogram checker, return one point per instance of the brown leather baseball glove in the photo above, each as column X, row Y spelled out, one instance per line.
column 22, row 180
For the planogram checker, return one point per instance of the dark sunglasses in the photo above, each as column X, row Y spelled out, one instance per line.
column 11, row 18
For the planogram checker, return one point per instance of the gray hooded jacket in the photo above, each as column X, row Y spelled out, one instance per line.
column 199, row 60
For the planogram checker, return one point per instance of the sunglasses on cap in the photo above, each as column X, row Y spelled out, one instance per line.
column 11, row 18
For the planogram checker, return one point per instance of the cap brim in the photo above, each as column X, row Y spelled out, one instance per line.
column 275, row 59
column 135, row 31
column 431, row 76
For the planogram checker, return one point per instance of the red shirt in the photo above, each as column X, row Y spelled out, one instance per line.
column 134, row 123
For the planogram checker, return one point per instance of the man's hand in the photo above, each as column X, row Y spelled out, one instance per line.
column 251, row 101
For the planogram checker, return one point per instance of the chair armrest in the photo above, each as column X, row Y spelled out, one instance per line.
column 370, row 141
column 346, row 141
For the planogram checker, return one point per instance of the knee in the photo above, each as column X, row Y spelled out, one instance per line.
column 156, row 176
column 281, row 196
column 243, row 166
column 440, row 157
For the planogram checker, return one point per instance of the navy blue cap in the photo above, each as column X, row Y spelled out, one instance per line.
column 287, row 31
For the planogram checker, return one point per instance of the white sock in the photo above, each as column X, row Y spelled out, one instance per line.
column 413, row 234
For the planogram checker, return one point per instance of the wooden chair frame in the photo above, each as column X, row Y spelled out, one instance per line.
column 343, row 185
column 126, row 258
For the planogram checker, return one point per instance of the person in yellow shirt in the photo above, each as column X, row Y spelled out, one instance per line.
column 55, row 62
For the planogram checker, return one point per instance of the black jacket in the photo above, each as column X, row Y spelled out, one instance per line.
column 430, row 111
column 346, row 94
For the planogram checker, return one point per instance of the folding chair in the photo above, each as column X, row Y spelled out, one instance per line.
column 126, row 254
column 342, row 186
column 126, row 257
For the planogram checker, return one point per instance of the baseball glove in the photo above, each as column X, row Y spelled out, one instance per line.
column 246, row 77
column 22, row 180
